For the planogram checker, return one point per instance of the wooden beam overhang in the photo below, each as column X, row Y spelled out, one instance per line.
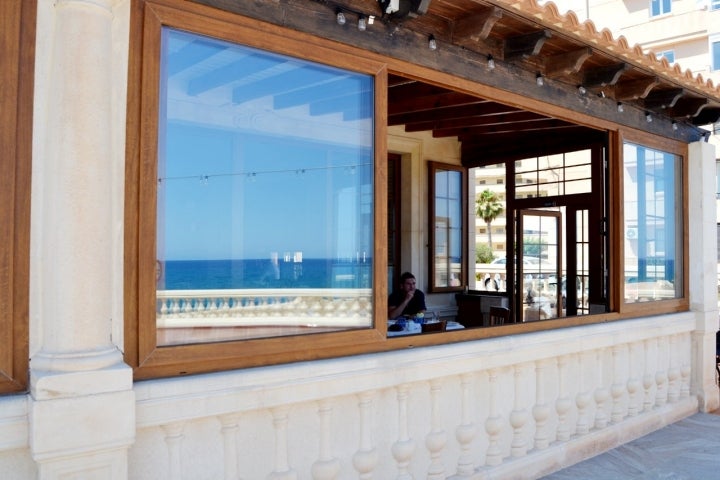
column 523, row 39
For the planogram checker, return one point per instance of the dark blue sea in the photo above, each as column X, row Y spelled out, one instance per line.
column 263, row 273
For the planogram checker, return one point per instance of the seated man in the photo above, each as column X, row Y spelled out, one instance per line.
column 408, row 300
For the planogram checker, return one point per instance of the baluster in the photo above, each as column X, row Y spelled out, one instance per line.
column 175, row 302
column 225, row 307
column 466, row 432
column 648, row 378
column 563, row 402
column 685, row 370
column 618, row 387
column 437, row 438
column 282, row 468
column 163, row 307
column 404, row 448
column 519, row 416
column 582, row 399
column 325, row 467
column 173, row 438
column 660, row 375
column 601, row 393
column 541, row 410
column 633, row 383
column 366, row 458
column 212, row 305
column 494, row 423
column 199, row 308
column 673, row 371
column 229, row 423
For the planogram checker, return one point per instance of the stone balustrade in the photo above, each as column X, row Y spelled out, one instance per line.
column 510, row 407
column 333, row 307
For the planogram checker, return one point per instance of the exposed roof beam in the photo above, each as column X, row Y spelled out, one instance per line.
column 687, row 107
column 664, row 98
column 567, row 63
column 604, row 76
column 527, row 45
column 475, row 28
column 635, row 89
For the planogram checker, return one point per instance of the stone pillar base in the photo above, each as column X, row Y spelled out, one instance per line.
column 77, row 431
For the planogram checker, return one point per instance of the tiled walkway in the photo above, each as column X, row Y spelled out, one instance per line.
column 686, row 450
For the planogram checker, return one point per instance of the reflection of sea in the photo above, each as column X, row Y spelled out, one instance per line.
column 257, row 273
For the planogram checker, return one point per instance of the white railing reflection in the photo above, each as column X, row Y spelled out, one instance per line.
column 335, row 307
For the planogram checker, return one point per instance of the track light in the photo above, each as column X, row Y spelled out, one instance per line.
column 648, row 117
column 539, row 80
column 620, row 107
column 340, row 17
column 491, row 62
column 432, row 43
column 362, row 23
column 582, row 90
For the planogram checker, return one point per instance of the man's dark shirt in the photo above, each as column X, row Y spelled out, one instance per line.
column 414, row 306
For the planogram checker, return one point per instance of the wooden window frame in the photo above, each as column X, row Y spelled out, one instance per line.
column 17, row 59
column 141, row 349
column 432, row 168
column 617, row 284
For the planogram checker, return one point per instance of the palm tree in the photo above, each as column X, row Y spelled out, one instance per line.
column 488, row 207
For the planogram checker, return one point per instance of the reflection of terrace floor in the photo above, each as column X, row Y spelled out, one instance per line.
column 685, row 450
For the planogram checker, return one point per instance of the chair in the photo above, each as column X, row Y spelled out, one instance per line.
column 499, row 316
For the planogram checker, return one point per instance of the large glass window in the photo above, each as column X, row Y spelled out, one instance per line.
column 264, row 194
column 653, row 225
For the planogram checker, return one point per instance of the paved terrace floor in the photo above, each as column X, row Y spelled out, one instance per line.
column 685, row 450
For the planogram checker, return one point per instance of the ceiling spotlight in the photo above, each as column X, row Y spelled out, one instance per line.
column 648, row 117
column 362, row 23
column 491, row 62
column 674, row 125
column 539, row 80
column 340, row 17
column 620, row 107
column 582, row 90
column 432, row 43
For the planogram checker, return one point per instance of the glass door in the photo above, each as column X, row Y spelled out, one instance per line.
column 539, row 265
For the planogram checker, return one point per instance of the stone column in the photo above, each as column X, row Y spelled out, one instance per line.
column 703, row 271
column 82, row 411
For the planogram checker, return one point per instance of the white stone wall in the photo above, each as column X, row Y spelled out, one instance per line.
column 515, row 406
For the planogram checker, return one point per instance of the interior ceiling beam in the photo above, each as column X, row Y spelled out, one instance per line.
column 475, row 28
column 496, row 148
column 477, row 121
column 480, row 108
column 520, row 128
column 659, row 99
column 568, row 63
column 527, row 45
column 430, row 102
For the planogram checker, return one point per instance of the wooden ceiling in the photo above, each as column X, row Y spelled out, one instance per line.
column 535, row 43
